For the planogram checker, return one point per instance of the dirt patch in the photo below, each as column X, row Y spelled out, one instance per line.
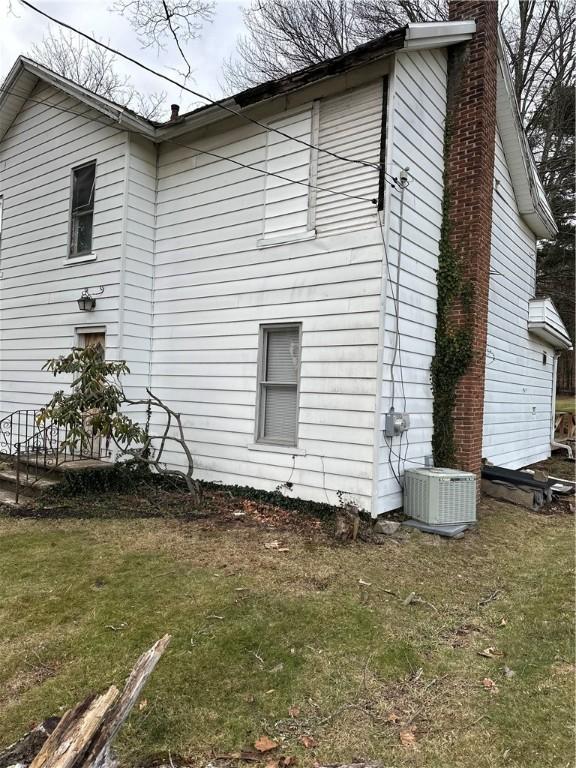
column 25, row 679
column 218, row 507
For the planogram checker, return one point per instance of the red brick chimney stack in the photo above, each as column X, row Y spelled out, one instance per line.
column 470, row 173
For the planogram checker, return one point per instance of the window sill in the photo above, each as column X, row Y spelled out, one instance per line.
column 273, row 448
column 268, row 241
column 70, row 260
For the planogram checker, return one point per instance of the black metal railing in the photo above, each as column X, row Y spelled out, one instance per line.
column 36, row 449
column 16, row 428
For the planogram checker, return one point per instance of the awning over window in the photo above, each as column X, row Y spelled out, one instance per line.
column 545, row 323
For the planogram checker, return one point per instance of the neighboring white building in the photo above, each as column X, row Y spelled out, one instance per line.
column 282, row 320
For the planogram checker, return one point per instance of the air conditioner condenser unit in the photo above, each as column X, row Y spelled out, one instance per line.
column 439, row 496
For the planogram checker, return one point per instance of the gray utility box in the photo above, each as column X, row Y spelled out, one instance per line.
column 439, row 496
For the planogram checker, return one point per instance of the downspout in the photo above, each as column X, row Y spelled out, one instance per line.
column 123, row 249
column 554, row 446
column 153, row 291
column 384, row 222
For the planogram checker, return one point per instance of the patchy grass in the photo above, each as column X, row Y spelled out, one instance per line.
column 257, row 631
column 566, row 403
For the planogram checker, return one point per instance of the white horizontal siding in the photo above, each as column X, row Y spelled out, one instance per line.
column 518, row 389
column 350, row 126
column 138, row 279
column 40, row 286
column 418, row 94
column 214, row 286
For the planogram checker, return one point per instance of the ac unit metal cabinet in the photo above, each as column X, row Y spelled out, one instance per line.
column 439, row 496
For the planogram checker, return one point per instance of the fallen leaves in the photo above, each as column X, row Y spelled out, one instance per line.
column 308, row 741
column 408, row 737
column 489, row 685
column 265, row 744
column 490, row 653
column 294, row 711
column 276, row 546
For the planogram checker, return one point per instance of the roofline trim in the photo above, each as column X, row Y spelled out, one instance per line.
column 437, row 34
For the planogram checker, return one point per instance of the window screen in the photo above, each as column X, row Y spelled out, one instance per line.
column 278, row 385
column 83, row 182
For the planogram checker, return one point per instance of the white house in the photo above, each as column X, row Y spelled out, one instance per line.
column 263, row 276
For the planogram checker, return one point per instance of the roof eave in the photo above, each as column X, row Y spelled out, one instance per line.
column 533, row 205
column 22, row 79
column 437, row 34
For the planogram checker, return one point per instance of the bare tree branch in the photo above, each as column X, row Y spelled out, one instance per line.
column 94, row 68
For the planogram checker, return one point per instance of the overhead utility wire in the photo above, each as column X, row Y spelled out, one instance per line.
column 372, row 201
column 199, row 95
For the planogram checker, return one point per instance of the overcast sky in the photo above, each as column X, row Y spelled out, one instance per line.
column 22, row 27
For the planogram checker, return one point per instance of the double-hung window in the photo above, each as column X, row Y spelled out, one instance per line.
column 82, row 210
column 278, row 384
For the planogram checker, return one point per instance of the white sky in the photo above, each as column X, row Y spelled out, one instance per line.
column 22, row 27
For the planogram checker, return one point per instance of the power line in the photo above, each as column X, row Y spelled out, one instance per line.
column 116, row 52
column 238, row 163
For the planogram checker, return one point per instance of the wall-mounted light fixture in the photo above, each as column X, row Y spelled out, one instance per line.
column 87, row 302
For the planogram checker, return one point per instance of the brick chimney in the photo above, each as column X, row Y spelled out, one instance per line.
column 469, row 174
column 174, row 110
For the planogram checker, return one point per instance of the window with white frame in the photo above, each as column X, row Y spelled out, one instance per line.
column 82, row 209
column 278, row 384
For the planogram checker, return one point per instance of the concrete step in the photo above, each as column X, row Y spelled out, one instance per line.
column 77, row 465
column 29, row 486
column 8, row 498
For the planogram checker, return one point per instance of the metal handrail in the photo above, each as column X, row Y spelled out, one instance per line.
column 17, row 427
column 37, row 450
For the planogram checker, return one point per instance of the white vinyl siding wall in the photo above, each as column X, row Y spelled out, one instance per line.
column 40, row 285
column 350, row 126
column 138, row 267
column 518, row 389
column 418, row 91
column 214, row 288
column 286, row 203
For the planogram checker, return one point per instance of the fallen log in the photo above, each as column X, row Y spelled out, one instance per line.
column 84, row 734
column 69, row 741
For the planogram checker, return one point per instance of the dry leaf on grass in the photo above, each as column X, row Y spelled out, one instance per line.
column 272, row 764
column 276, row 546
column 490, row 685
column 264, row 744
column 294, row 711
column 308, row 741
column 364, row 583
column 393, row 717
column 490, row 653
column 143, row 704
column 407, row 737
column 286, row 762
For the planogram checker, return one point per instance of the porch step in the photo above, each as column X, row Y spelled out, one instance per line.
column 8, row 498
column 28, row 486
column 77, row 465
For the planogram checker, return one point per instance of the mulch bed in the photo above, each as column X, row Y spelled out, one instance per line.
column 218, row 507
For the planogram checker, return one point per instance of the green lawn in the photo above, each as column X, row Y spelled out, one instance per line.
column 565, row 403
column 257, row 631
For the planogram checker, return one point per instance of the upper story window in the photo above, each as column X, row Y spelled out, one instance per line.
column 82, row 210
